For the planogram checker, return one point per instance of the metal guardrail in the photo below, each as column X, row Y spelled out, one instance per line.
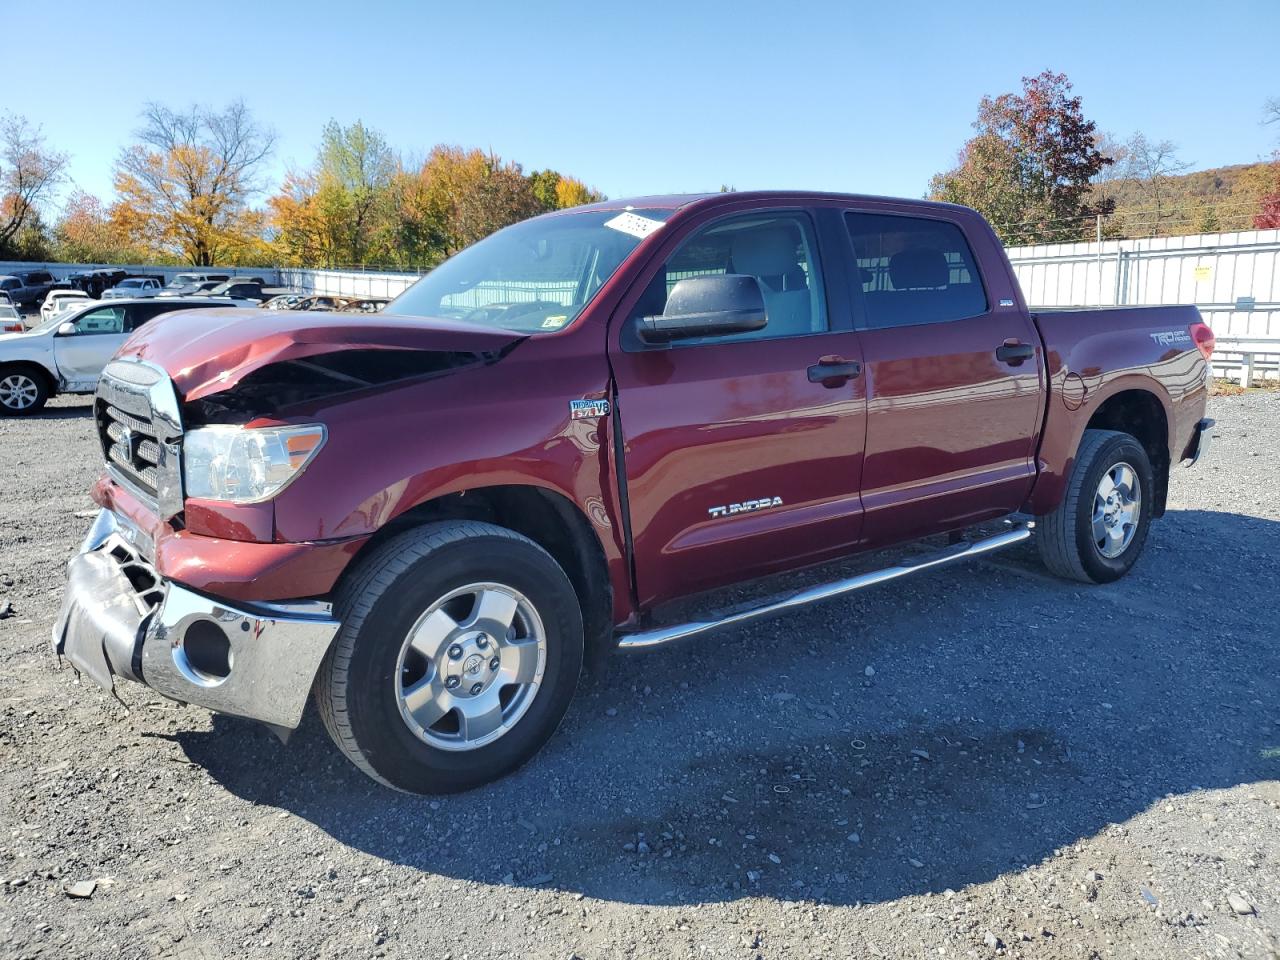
column 1257, row 357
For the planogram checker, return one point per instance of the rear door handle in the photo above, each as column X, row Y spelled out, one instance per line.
column 834, row 371
column 1014, row 352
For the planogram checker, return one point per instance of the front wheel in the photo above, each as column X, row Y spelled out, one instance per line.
column 1098, row 531
column 459, row 651
column 22, row 391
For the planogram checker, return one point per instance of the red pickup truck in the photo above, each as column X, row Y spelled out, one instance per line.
column 427, row 518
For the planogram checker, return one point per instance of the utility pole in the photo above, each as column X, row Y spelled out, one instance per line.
column 1099, row 259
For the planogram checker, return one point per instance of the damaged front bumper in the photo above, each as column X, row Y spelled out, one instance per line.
column 121, row 619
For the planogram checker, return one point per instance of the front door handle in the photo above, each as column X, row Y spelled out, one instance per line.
column 834, row 371
column 1014, row 352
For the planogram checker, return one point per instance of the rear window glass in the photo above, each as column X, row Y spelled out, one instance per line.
column 914, row 271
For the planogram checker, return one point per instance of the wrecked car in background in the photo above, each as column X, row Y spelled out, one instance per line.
column 427, row 518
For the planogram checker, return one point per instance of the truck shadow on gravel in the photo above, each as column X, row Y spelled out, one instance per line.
column 1007, row 715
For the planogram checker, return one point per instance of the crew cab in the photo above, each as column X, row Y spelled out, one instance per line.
column 66, row 352
column 427, row 518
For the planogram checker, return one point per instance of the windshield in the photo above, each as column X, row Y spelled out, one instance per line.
column 534, row 277
column 129, row 283
column 185, row 280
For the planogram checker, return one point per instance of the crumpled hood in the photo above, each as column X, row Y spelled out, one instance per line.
column 207, row 351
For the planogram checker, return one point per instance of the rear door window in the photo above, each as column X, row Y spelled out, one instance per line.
column 914, row 270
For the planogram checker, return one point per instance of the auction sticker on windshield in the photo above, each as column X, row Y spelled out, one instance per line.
column 633, row 224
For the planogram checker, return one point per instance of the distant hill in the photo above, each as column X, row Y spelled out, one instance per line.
column 1203, row 201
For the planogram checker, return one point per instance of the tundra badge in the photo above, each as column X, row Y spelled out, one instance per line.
column 588, row 409
column 746, row 506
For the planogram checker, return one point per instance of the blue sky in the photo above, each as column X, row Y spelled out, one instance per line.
column 653, row 97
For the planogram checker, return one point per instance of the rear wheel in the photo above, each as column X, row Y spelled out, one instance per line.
column 459, row 651
column 1098, row 531
column 22, row 391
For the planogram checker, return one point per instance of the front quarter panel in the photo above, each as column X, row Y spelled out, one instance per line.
column 507, row 422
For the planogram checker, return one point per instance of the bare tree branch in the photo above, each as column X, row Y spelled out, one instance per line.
column 1151, row 165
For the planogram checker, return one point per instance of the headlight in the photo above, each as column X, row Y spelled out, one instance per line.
column 240, row 465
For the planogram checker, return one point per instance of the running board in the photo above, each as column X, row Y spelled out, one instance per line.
column 646, row 639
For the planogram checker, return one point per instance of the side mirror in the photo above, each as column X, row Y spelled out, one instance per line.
column 707, row 306
column 66, row 329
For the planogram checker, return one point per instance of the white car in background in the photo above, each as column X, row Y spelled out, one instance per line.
column 59, row 301
column 67, row 353
column 10, row 318
column 133, row 287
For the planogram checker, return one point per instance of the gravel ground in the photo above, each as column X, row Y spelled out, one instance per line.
column 981, row 762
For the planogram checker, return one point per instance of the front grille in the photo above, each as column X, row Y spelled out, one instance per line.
column 130, row 444
column 140, row 430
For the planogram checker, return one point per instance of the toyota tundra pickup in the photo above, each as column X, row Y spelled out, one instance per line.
column 426, row 519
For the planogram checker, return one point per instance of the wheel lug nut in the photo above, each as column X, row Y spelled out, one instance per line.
column 476, row 688
column 482, row 641
column 493, row 664
column 455, row 652
column 451, row 682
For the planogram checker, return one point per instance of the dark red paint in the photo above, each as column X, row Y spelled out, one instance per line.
column 935, row 434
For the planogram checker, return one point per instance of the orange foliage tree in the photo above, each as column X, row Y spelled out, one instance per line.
column 183, row 190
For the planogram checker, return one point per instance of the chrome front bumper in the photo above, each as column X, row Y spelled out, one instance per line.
column 120, row 619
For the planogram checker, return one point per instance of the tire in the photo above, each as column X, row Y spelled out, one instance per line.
column 23, row 391
column 373, row 679
column 1066, row 537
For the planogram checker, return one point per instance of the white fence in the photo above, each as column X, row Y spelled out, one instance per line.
column 1234, row 278
column 346, row 283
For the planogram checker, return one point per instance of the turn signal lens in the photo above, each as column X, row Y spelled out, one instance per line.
column 1202, row 336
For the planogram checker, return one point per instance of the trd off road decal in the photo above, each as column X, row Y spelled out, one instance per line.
column 1167, row 338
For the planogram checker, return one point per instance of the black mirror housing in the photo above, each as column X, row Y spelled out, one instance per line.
column 707, row 306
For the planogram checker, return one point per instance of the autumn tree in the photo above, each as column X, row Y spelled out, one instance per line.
column 1029, row 167
column 335, row 213
column 555, row 191
column 360, row 203
column 30, row 172
column 1268, row 215
column 85, row 234
column 471, row 193
column 184, row 188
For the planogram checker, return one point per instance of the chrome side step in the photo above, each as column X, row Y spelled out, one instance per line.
column 646, row 639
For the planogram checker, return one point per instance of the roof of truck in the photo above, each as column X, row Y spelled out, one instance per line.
column 675, row 201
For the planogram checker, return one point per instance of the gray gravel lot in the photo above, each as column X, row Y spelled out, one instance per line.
column 981, row 762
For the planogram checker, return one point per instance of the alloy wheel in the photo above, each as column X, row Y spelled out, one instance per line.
column 470, row 666
column 18, row 391
column 1117, row 508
